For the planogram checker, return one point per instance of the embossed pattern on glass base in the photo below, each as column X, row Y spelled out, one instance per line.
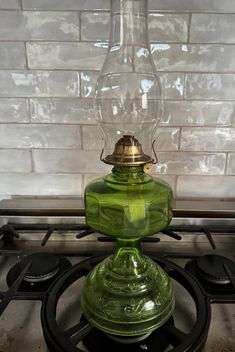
column 127, row 294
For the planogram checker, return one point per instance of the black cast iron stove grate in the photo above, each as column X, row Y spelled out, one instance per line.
column 179, row 341
column 168, row 335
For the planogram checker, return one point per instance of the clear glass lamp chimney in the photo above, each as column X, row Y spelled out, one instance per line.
column 128, row 96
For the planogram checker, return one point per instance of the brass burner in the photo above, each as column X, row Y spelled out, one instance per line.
column 128, row 152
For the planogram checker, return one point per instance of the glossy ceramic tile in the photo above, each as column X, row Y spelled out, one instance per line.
column 41, row 184
column 213, row 28
column 39, row 136
column 66, row 4
column 210, row 86
column 39, row 84
column 206, row 186
column 208, row 139
column 12, row 55
column 76, row 56
column 10, row 4
column 168, row 27
column 231, row 164
column 32, row 25
column 197, row 113
column 180, row 163
column 95, row 26
column 14, row 110
column 226, row 6
column 167, row 138
column 92, row 138
column 68, row 161
column 12, row 160
column 62, row 111
column 194, row 57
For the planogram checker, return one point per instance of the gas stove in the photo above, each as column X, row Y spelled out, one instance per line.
column 45, row 254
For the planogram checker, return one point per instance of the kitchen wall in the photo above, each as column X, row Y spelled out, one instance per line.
column 50, row 56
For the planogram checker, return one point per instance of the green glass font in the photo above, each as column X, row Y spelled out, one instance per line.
column 128, row 294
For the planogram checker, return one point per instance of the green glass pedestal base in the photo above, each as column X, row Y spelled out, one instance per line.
column 127, row 294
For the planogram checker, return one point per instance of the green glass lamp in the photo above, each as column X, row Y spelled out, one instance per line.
column 128, row 294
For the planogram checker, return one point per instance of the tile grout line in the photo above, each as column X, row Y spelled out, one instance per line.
column 32, row 161
column 107, row 10
column 189, row 28
column 26, row 55
column 80, row 25
column 226, row 164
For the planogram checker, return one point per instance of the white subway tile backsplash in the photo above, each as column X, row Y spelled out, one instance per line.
column 33, row 25
column 92, row 138
column 12, row 55
column 172, row 85
column 168, row 27
column 210, row 86
column 88, row 81
column 39, row 136
column 51, row 53
column 62, row 111
column 162, row 27
column 66, row 4
column 180, row 163
column 226, row 6
column 231, row 164
column 68, row 161
column 95, row 26
column 41, row 184
column 83, row 56
column 208, row 139
column 205, row 187
column 167, row 139
column 197, row 113
column 12, row 160
column 212, row 28
column 10, row 4
column 39, row 84
column 194, row 57
column 13, row 110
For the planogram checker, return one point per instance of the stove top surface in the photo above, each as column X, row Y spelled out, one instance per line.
column 20, row 324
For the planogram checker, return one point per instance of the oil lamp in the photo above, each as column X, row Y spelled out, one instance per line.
column 128, row 294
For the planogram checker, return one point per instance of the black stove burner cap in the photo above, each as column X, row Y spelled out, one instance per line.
column 211, row 268
column 45, row 267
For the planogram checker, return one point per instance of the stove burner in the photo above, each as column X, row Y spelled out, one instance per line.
column 83, row 333
column 44, row 269
column 148, row 343
column 128, row 339
column 209, row 270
